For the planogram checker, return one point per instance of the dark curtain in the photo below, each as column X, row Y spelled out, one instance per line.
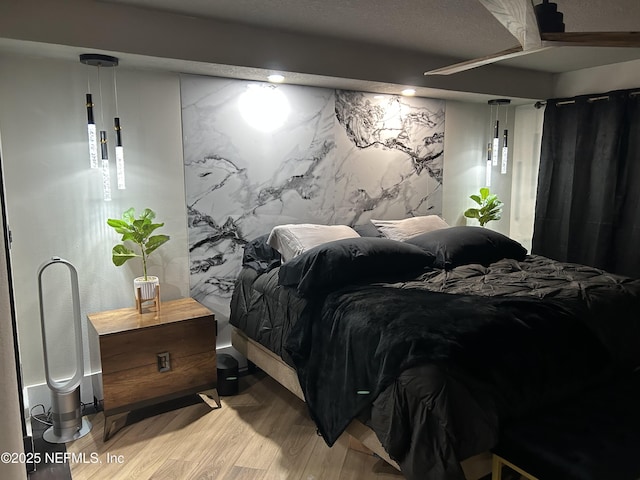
column 588, row 201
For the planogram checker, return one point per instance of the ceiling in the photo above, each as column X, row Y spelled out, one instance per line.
column 460, row 29
column 368, row 45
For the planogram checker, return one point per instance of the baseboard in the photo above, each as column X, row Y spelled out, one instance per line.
column 39, row 394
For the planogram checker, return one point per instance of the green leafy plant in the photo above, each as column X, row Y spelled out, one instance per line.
column 138, row 231
column 490, row 207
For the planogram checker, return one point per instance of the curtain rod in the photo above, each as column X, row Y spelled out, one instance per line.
column 541, row 104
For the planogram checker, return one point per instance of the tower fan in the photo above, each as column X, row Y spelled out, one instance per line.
column 66, row 412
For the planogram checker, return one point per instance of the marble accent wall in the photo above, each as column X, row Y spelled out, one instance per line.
column 258, row 155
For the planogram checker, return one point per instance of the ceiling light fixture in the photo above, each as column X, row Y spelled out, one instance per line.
column 91, row 131
column 493, row 147
column 119, row 147
column 276, row 78
column 408, row 92
column 99, row 60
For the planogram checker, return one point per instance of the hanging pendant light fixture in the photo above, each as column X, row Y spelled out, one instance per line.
column 119, row 155
column 494, row 145
column 91, row 131
column 99, row 60
column 118, row 129
column 505, row 152
column 487, row 181
column 106, row 174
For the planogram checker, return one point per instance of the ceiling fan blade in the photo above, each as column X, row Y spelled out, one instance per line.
column 479, row 62
column 592, row 39
column 517, row 16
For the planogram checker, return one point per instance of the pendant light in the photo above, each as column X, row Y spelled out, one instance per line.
column 505, row 152
column 118, row 129
column 487, row 181
column 495, row 144
column 91, row 131
column 99, row 61
column 106, row 173
column 495, row 152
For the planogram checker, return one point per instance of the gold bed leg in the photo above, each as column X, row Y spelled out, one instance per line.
column 498, row 462
column 496, row 468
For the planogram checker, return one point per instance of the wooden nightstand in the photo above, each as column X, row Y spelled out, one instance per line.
column 151, row 357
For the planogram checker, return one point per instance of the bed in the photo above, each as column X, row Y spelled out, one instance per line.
column 433, row 341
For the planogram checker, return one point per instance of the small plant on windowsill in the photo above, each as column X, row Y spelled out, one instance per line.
column 139, row 232
column 490, row 208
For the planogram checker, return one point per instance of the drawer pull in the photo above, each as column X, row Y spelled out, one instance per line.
column 164, row 362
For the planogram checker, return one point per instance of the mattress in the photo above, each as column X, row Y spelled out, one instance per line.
column 568, row 327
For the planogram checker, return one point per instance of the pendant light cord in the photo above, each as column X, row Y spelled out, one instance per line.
column 115, row 91
column 101, row 103
column 88, row 79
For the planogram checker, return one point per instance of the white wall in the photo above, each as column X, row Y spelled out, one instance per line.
column 619, row 76
column 467, row 132
column 54, row 199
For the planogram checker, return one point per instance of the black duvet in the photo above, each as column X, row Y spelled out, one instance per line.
column 437, row 362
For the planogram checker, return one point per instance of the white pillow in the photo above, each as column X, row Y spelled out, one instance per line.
column 409, row 227
column 293, row 239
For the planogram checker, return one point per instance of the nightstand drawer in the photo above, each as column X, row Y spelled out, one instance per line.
column 135, row 385
column 139, row 348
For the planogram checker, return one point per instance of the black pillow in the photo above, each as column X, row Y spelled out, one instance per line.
column 368, row 230
column 348, row 260
column 259, row 255
column 455, row 246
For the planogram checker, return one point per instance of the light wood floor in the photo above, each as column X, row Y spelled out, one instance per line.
column 263, row 433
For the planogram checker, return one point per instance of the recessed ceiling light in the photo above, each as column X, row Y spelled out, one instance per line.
column 276, row 78
column 408, row 92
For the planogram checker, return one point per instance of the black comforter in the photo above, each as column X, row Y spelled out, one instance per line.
column 441, row 360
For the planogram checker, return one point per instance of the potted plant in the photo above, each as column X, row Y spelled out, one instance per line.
column 490, row 207
column 139, row 232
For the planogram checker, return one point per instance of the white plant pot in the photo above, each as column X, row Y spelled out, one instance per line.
column 147, row 287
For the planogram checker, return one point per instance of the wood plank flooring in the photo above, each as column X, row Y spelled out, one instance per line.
column 263, row 433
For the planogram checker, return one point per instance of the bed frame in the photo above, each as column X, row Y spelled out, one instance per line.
column 362, row 438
